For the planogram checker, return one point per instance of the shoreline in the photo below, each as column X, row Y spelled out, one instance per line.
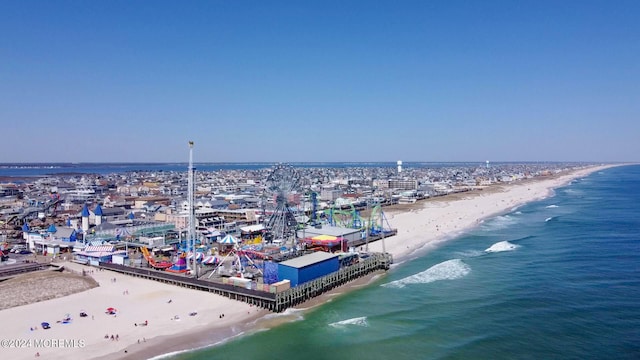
column 421, row 227
column 416, row 249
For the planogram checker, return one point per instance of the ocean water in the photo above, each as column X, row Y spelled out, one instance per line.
column 554, row 279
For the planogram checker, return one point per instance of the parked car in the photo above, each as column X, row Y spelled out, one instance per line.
column 25, row 251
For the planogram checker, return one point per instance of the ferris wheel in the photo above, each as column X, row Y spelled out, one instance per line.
column 281, row 184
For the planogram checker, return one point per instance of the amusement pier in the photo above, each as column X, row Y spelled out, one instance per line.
column 273, row 237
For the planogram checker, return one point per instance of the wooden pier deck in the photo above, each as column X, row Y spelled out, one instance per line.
column 276, row 302
column 373, row 238
column 9, row 271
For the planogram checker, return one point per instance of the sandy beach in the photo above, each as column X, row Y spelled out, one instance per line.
column 165, row 308
column 136, row 301
column 439, row 219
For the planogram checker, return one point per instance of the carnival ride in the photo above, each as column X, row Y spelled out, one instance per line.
column 375, row 224
column 160, row 265
column 326, row 243
column 4, row 251
column 242, row 261
column 314, row 209
column 282, row 183
column 49, row 207
column 344, row 218
column 180, row 266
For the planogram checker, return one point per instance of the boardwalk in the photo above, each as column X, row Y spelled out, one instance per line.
column 9, row 271
column 276, row 302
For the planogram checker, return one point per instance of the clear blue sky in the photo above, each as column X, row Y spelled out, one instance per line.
column 319, row 80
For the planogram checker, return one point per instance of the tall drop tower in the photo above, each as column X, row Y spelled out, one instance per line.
column 191, row 237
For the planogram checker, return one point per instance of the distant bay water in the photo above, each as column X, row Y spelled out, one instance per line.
column 554, row 279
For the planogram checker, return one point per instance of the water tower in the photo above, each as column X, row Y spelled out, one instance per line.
column 487, row 162
column 399, row 166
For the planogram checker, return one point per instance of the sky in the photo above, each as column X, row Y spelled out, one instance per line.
column 295, row 81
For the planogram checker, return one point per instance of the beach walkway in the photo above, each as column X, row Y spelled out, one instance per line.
column 276, row 302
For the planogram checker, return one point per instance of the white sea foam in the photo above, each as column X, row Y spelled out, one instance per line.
column 552, row 206
column 502, row 246
column 292, row 313
column 548, row 219
column 499, row 222
column 358, row 321
column 175, row 353
column 469, row 253
column 446, row 270
column 518, row 212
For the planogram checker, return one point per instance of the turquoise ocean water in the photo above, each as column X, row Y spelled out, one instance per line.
column 562, row 282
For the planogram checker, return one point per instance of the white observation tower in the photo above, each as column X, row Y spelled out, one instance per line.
column 399, row 166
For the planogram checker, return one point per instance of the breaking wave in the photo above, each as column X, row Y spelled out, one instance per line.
column 502, row 246
column 446, row 270
column 551, row 206
column 358, row 321
column 499, row 222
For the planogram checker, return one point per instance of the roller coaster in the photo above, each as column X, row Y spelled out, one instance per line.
column 375, row 224
column 51, row 206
